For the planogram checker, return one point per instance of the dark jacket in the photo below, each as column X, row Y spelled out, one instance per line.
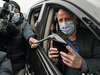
column 89, row 49
column 15, row 45
column 5, row 64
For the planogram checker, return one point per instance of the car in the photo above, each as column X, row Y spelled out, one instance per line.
column 44, row 12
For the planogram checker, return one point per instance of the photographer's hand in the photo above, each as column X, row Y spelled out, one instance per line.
column 12, row 29
column 33, row 42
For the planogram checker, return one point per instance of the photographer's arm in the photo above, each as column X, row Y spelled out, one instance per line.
column 12, row 29
column 29, row 35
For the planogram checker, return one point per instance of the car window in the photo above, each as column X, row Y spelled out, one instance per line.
column 54, row 27
column 34, row 17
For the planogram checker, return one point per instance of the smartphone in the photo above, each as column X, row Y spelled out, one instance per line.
column 60, row 46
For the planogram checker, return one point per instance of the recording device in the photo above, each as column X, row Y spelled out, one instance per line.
column 60, row 46
column 3, row 12
column 6, row 0
column 9, row 9
column 59, row 43
column 47, row 38
column 6, row 13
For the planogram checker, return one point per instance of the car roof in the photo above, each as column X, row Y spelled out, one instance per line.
column 91, row 7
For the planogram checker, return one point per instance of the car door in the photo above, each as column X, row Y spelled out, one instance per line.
column 38, row 62
column 48, row 13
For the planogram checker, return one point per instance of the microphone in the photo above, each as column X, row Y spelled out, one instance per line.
column 49, row 37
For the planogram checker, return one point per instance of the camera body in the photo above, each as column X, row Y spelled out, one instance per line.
column 6, row 14
column 7, row 9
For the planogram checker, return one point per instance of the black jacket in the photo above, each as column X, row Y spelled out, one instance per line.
column 89, row 49
column 15, row 45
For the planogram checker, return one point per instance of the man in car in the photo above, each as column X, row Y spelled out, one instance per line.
column 81, row 40
column 15, row 45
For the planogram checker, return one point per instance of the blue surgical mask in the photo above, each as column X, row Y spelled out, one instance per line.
column 67, row 27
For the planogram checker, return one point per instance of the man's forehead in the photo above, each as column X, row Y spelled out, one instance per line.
column 64, row 12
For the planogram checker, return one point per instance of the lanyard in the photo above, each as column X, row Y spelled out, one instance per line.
column 76, row 50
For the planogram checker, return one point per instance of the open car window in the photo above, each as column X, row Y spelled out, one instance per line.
column 34, row 17
column 53, row 21
column 53, row 26
column 49, row 21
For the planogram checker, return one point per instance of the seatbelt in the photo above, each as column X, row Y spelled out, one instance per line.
column 58, row 38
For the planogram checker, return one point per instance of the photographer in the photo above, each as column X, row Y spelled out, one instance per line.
column 15, row 42
column 7, row 30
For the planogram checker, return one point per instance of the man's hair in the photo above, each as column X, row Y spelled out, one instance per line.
column 70, row 12
column 67, row 11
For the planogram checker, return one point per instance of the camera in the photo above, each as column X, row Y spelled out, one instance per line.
column 6, row 13
column 8, row 9
column 3, row 12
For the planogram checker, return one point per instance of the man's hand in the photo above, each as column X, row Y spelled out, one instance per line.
column 33, row 42
column 36, row 23
column 53, row 53
column 12, row 29
column 71, row 59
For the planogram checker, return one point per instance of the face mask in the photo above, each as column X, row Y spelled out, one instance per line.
column 15, row 17
column 67, row 27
